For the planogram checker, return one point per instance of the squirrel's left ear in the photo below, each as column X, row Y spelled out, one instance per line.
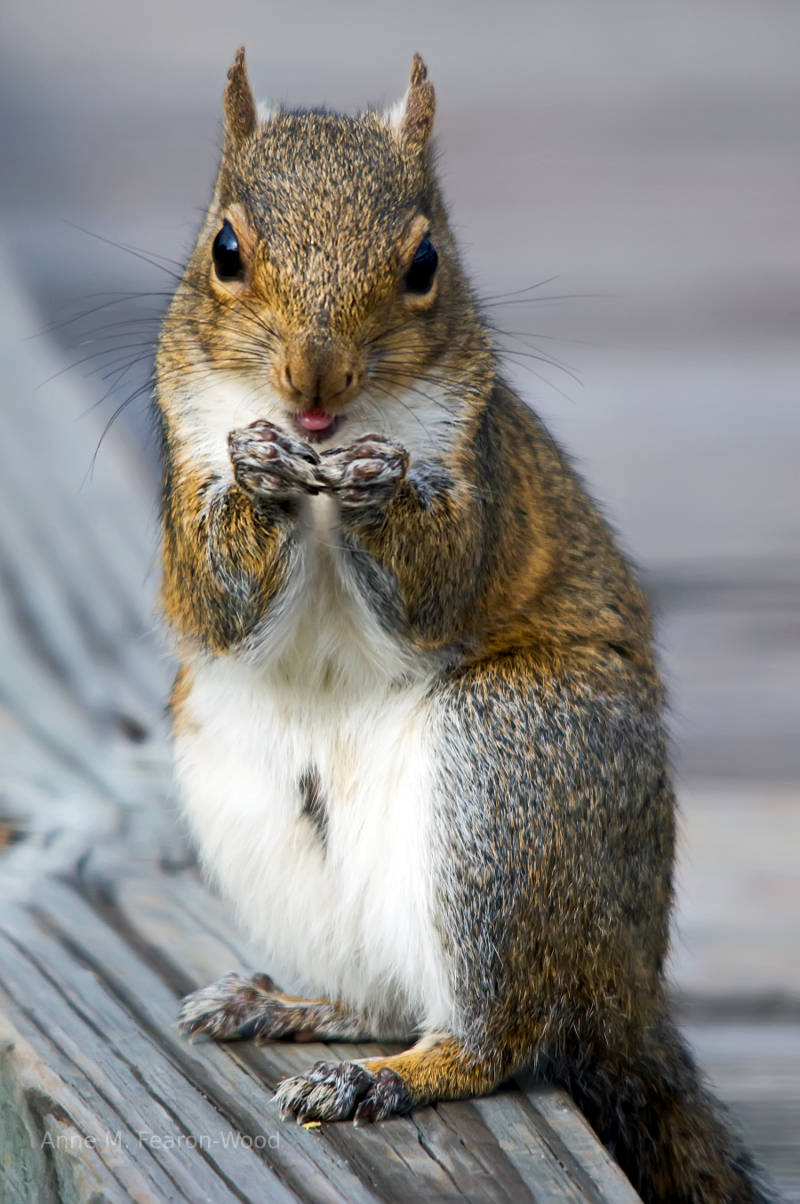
column 240, row 108
column 412, row 117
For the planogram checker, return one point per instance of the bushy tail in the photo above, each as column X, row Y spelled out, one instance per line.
column 669, row 1135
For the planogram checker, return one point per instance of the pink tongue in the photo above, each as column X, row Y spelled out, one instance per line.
column 315, row 420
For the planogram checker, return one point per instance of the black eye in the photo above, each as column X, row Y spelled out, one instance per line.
column 227, row 260
column 419, row 277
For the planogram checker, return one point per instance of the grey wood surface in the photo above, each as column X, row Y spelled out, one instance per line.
column 105, row 922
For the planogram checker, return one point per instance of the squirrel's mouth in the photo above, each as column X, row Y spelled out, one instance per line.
column 316, row 424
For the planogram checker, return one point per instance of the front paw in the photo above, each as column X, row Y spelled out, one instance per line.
column 339, row 1090
column 366, row 473
column 270, row 463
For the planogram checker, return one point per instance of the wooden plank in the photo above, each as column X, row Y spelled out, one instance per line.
column 134, row 1092
column 53, row 1146
column 563, row 1118
column 533, row 1149
column 465, row 1147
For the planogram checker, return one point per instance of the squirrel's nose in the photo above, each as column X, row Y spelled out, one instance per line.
column 316, row 379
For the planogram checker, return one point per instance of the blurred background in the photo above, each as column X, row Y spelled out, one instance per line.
column 625, row 183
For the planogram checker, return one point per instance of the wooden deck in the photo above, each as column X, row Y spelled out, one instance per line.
column 105, row 923
column 103, row 1100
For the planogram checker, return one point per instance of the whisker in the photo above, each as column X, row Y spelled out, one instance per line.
column 133, row 396
column 517, row 291
column 115, row 299
column 543, row 358
column 144, row 256
column 393, row 397
column 549, row 297
column 544, row 379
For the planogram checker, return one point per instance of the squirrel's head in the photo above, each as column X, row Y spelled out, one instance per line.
column 325, row 277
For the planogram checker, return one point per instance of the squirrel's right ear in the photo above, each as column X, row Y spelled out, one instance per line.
column 412, row 117
column 240, row 108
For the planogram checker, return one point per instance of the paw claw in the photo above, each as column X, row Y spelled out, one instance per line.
column 290, row 1096
column 365, row 1113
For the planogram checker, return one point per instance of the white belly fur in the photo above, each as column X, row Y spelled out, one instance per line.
column 350, row 919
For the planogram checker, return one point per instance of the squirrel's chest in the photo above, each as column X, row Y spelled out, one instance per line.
column 334, row 629
column 315, row 814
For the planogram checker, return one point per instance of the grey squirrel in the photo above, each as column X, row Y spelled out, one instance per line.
column 417, row 722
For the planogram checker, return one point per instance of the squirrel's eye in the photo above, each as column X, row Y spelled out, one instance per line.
column 419, row 277
column 227, row 259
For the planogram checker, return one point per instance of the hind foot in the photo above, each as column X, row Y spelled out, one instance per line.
column 237, row 1009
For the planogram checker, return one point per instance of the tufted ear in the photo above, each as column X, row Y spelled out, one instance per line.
column 240, row 108
column 412, row 117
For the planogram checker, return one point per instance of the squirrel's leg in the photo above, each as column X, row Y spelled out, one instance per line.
column 438, row 1067
column 239, row 1008
column 231, row 550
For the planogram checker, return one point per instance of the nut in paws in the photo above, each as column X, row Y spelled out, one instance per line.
column 269, row 462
